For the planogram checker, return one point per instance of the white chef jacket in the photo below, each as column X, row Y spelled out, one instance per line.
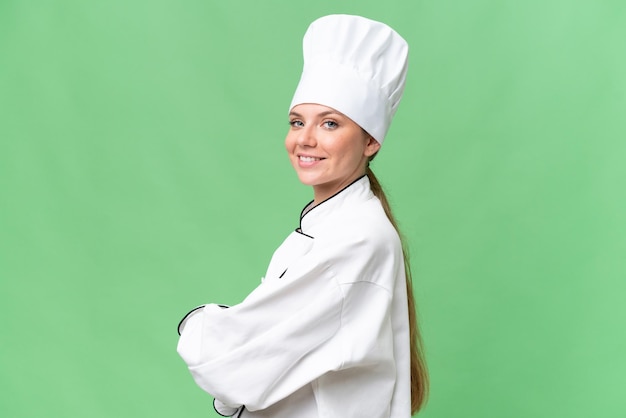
column 325, row 334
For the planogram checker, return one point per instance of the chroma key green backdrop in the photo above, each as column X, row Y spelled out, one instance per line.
column 142, row 173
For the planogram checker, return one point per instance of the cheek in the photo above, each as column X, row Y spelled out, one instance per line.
column 352, row 154
column 289, row 142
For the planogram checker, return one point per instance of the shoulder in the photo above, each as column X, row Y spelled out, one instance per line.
column 366, row 222
column 361, row 245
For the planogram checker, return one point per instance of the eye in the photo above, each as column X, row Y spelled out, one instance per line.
column 330, row 124
column 296, row 123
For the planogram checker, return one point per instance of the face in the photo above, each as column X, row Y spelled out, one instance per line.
column 327, row 149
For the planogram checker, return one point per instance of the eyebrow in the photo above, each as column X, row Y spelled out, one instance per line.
column 319, row 115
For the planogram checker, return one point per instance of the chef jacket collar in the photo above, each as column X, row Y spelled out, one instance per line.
column 356, row 192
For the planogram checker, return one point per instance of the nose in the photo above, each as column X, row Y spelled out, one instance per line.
column 306, row 136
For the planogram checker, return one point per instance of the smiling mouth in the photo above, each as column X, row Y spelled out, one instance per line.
column 309, row 159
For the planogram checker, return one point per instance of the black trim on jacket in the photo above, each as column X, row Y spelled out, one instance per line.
column 187, row 316
column 240, row 410
column 303, row 213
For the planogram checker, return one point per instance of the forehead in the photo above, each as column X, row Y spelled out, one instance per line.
column 314, row 109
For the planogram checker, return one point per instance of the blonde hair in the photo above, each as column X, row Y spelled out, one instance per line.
column 419, row 373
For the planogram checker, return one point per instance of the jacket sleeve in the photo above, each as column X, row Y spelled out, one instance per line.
column 320, row 317
column 225, row 410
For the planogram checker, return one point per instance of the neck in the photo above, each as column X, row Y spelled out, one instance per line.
column 325, row 192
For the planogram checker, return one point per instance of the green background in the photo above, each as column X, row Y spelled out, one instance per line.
column 142, row 173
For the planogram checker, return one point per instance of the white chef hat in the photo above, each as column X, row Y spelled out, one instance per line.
column 356, row 66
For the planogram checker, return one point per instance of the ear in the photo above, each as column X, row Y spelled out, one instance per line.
column 371, row 147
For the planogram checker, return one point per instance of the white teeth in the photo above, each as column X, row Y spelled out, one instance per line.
column 308, row 159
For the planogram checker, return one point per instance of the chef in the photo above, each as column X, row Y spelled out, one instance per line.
column 331, row 330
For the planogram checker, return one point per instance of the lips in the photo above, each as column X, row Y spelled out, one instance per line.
column 308, row 159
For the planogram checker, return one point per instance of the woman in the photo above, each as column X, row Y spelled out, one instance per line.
column 331, row 331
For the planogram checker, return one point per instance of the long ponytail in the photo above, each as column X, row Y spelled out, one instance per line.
column 419, row 373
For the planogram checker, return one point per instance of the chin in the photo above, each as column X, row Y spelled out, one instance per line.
column 307, row 180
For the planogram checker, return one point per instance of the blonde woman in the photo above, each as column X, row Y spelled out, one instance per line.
column 331, row 330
